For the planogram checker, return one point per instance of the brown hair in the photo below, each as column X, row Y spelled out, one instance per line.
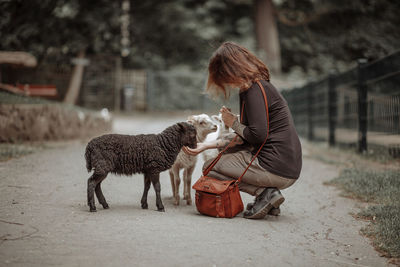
column 234, row 65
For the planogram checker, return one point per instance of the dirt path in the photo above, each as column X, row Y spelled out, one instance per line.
column 44, row 219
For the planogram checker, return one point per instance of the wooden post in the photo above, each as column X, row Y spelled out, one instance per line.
column 310, row 102
column 76, row 78
column 332, row 109
column 117, row 84
column 267, row 34
column 362, row 107
column 149, row 90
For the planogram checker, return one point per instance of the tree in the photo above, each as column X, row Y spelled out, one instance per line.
column 316, row 35
column 267, row 34
column 58, row 30
column 321, row 35
column 172, row 32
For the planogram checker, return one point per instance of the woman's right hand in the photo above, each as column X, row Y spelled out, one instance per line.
column 195, row 151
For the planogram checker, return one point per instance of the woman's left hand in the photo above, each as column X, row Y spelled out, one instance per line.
column 227, row 116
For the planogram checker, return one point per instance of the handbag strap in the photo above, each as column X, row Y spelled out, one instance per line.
column 212, row 164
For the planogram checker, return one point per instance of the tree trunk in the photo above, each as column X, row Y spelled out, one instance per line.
column 76, row 80
column 267, row 34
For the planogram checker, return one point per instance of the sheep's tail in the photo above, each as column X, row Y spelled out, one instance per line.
column 88, row 158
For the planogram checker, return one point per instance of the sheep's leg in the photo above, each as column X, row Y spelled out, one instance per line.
column 90, row 193
column 177, row 182
column 171, row 176
column 145, row 191
column 184, row 183
column 94, row 185
column 100, row 195
column 187, row 176
column 155, row 180
column 92, row 182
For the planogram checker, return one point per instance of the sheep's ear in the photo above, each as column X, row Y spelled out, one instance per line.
column 190, row 119
column 182, row 126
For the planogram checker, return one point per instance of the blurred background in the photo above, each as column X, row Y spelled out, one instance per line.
column 143, row 56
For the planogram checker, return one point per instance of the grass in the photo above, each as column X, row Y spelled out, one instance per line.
column 8, row 151
column 384, row 229
column 382, row 188
column 8, row 98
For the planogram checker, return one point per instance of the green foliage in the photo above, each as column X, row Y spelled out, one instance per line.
column 163, row 33
column 8, row 98
column 382, row 188
column 330, row 35
column 167, row 33
column 327, row 34
column 8, row 151
column 385, row 228
column 56, row 29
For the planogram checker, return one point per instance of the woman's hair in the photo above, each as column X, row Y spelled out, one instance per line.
column 234, row 66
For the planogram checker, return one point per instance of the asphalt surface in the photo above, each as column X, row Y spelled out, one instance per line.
column 44, row 219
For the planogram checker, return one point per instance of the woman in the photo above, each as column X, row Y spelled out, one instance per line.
column 278, row 164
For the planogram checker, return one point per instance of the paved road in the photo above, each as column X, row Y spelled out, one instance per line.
column 44, row 219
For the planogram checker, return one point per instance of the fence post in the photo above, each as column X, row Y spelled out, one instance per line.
column 149, row 89
column 332, row 107
column 310, row 111
column 117, row 84
column 362, row 106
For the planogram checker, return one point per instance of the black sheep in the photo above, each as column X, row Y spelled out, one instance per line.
column 149, row 154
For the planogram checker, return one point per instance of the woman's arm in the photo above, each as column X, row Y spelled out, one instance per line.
column 219, row 143
column 231, row 120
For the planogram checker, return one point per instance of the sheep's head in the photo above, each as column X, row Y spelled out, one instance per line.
column 203, row 124
column 218, row 119
column 188, row 134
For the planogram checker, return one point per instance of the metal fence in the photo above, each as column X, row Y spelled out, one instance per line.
column 360, row 107
column 104, row 82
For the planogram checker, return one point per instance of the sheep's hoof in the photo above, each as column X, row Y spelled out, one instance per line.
column 145, row 206
column 189, row 202
column 93, row 209
column 161, row 210
column 105, row 206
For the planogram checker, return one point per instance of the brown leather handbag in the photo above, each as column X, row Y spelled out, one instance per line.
column 221, row 198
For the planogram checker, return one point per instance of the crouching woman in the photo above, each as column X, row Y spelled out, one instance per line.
column 279, row 162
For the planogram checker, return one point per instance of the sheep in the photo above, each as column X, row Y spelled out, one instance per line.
column 222, row 130
column 149, row 154
column 204, row 125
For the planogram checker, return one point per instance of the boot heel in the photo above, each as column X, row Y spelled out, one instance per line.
column 277, row 201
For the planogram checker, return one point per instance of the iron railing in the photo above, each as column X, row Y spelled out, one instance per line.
column 360, row 107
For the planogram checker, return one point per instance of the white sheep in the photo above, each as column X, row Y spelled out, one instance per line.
column 204, row 125
column 222, row 130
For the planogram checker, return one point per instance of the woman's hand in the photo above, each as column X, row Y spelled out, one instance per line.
column 227, row 116
column 195, row 151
